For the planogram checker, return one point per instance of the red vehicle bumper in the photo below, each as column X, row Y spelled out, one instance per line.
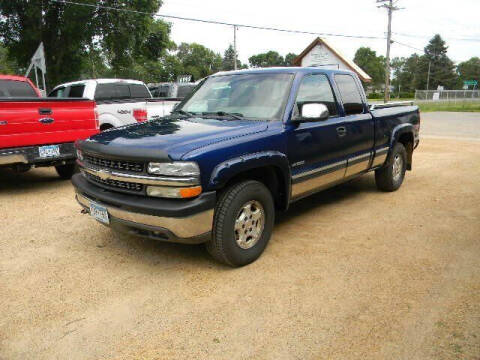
column 30, row 155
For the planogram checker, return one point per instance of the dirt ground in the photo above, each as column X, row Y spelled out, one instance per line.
column 350, row 273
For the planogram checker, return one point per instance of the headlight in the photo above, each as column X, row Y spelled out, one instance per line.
column 176, row 168
column 79, row 155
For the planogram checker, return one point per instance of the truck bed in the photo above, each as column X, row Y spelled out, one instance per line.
column 43, row 121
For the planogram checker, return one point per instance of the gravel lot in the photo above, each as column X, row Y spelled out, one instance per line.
column 350, row 273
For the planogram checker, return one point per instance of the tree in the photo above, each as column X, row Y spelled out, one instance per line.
column 7, row 66
column 442, row 69
column 198, row 61
column 469, row 70
column 405, row 73
column 74, row 35
column 289, row 59
column 228, row 59
column 372, row 64
column 268, row 59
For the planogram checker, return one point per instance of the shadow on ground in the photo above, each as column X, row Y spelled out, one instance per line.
column 35, row 179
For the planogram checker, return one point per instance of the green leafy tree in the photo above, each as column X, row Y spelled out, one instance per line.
column 469, row 70
column 268, row 59
column 405, row 73
column 289, row 59
column 198, row 61
column 74, row 36
column 372, row 64
column 7, row 66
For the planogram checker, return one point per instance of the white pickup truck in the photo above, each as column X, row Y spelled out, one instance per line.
column 118, row 102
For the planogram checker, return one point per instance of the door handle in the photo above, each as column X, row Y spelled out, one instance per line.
column 46, row 120
column 341, row 131
column 44, row 111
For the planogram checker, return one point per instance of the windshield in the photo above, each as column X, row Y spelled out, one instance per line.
column 256, row 96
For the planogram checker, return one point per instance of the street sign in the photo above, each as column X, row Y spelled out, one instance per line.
column 184, row 78
column 470, row 82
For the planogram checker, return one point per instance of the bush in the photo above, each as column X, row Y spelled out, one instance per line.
column 405, row 95
column 375, row 95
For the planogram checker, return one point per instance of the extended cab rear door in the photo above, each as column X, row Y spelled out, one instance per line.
column 357, row 130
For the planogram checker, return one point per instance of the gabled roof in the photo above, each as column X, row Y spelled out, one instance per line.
column 350, row 64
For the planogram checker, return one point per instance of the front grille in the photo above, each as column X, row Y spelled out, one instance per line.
column 115, row 184
column 115, row 164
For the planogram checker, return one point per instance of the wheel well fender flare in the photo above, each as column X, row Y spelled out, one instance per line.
column 397, row 133
column 107, row 118
column 229, row 169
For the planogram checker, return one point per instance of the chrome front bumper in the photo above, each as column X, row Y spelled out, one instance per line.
column 192, row 229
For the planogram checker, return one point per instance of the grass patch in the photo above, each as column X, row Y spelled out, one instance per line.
column 459, row 107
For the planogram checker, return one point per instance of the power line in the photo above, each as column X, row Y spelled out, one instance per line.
column 427, row 37
column 409, row 46
column 218, row 22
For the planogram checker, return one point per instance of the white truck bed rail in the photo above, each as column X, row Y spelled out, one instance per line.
column 390, row 104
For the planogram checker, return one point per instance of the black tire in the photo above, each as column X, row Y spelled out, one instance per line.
column 223, row 245
column 66, row 171
column 387, row 178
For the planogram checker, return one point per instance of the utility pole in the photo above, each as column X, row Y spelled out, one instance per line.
column 390, row 6
column 428, row 74
column 429, row 65
column 234, row 47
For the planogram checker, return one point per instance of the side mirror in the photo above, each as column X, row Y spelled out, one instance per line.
column 314, row 112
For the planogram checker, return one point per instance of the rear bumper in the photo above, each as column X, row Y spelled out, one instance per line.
column 181, row 221
column 30, row 155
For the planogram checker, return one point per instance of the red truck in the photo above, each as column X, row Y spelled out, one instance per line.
column 36, row 131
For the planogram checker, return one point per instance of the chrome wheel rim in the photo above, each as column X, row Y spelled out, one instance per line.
column 249, row 224
column 397, row 167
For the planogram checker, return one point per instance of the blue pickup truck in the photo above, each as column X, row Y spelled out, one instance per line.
column 241, row 146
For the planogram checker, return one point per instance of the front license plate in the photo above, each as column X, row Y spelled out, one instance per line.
column 49, row 151
column 99, row 212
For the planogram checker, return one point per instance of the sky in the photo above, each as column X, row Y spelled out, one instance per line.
column 419, row 19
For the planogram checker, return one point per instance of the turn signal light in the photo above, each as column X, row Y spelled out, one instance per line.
column 190, row 192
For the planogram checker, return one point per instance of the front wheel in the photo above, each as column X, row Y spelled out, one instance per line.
column 390, row 177
column 66, row 171
column 243, row 223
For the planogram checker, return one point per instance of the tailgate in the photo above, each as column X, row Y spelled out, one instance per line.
column 26, row 122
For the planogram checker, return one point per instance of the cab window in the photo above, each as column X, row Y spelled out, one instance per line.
column 58, row 93
column 13, row 88
column 316, row 88
column 139, row 91
column 352, row 102
column 76, row 91
column 112, row 92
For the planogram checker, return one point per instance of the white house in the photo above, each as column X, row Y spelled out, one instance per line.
column 321, row 53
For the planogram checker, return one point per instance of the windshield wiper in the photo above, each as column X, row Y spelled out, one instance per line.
column 183, row 112
column 237, row 116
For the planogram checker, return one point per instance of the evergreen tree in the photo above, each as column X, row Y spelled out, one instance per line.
column 229, row 59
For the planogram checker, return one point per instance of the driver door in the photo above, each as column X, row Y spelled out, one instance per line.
column 315, row 148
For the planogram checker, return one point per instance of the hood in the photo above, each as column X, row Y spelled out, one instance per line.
column 177, row 136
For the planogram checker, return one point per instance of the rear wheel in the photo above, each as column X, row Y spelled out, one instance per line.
column 390, row 177
column 66, row 171
column 243, row 223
